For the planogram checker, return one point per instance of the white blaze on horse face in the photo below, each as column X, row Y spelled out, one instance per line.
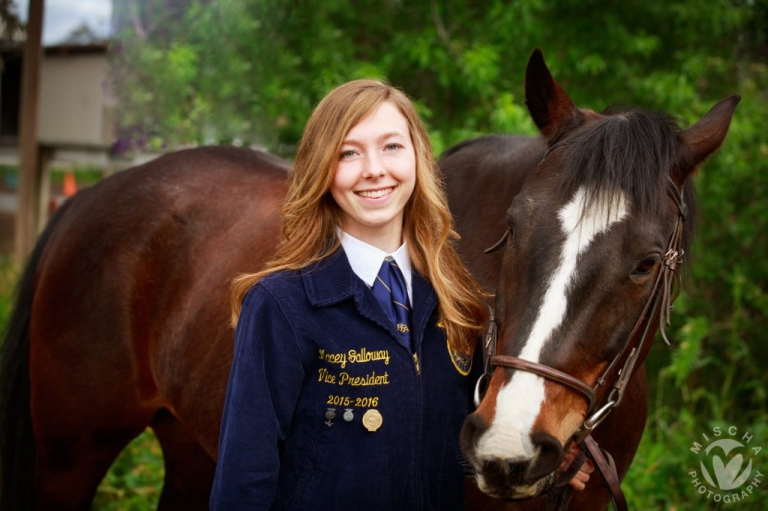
column 519, row 401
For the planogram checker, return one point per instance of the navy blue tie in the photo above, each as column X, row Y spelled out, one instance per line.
column 391, row 292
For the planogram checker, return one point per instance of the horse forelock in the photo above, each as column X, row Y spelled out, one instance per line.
column 630, row 152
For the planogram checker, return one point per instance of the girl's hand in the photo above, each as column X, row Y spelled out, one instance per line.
column 579, row 481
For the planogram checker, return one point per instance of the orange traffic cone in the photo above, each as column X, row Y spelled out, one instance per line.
column 70, row 185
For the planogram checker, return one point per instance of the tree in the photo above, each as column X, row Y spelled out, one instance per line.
column 251, row 70
column 82, row 35
column 11, row 28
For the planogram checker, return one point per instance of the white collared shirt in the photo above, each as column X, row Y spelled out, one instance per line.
column 366, row 260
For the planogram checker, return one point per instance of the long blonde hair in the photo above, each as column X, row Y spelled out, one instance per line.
column 310, row 216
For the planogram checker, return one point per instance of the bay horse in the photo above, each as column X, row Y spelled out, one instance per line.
column 122, row 317
column 596, row 214
column 122, row 322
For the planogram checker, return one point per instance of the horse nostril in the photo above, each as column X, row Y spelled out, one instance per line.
column 549, row 455
column 474, row 426
column 503, row 473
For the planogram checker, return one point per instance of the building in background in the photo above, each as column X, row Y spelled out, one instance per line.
column 75, row 114
column 75, row 126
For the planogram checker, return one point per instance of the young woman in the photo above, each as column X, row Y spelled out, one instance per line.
column 354, row 348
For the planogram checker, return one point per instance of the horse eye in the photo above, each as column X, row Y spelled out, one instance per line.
column 647, row 265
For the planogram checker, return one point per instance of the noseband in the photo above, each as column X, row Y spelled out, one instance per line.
column 666, row 289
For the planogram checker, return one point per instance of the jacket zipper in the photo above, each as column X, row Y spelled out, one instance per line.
column 418, row 444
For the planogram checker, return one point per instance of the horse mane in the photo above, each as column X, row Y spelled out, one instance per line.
column 629, row 151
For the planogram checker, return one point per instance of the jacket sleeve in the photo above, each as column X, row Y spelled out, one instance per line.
column 264, row 385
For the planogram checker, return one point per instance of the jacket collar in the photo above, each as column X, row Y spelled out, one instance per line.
column 332, row 281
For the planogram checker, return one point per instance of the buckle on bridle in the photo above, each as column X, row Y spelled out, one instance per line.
column 673, row 258
column 491, row 335
column 599, row 416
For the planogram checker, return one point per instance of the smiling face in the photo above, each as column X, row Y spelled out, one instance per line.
column 375, row 177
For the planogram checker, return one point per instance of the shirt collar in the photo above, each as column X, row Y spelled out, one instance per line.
column 366, row 260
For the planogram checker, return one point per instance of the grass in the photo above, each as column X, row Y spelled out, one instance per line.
column 135, row 480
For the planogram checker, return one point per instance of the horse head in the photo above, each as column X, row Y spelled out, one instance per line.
column 586, row 278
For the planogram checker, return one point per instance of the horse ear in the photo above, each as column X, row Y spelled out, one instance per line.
column 550, row 107
column 703, row 138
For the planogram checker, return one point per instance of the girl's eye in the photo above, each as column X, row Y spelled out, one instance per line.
column 392, row 147
column 347, row 154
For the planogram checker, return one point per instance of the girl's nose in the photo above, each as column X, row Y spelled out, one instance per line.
column 373, row 167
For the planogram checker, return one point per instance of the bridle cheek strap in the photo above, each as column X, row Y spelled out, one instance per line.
column 607, row 468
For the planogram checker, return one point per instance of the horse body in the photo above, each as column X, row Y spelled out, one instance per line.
column 482, row 177
column 129, row 326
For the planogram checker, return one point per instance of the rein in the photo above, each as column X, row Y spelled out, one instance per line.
column 666, row 289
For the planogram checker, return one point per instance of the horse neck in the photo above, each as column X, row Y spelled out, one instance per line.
column 482, row 178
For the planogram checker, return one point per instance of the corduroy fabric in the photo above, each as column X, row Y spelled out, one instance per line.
column 316, row 340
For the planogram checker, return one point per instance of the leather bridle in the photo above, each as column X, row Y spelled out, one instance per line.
column 665, row 290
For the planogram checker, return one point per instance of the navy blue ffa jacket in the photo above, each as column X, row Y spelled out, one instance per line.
column 325, row 410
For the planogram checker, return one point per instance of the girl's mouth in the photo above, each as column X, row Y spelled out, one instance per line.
column 376, row 194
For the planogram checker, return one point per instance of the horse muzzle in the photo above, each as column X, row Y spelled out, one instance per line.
column 519, row 477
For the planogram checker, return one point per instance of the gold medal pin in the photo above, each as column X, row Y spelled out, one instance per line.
column 372, row 420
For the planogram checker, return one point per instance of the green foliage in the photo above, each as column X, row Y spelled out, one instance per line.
column 9, row 274
column 687, row 356
column 662, row 478
column 250, row 71
column 84, row 176
column 135, row 479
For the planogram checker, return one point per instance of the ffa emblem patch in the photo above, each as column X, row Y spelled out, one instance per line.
column 461, row 357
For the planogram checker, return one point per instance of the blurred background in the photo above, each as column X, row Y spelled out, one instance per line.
column 121, row 83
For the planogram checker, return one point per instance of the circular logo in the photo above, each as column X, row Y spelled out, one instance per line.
column 726, row 472
column 372, row 420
